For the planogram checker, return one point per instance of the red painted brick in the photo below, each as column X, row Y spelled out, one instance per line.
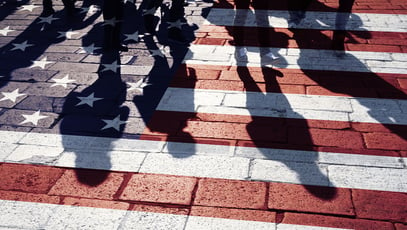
column 187, row 73
column 372, row 127
column 334, row 222
column 379, row 205
column 96, row 184
column 210, row 41
column 28, row 178
column 297, row 198
column 401, row 226
column 403, row 153
column 29, row 197
column 160, row 209
column 388, row 141
column 402, row 82
column 325, row 137
column 159, row 188
column 237, row 214
column 231, row 193
column 84, row 202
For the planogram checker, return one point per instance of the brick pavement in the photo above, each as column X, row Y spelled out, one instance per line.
column 173, row 137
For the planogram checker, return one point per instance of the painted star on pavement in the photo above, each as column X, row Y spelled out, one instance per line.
column 33, row 118
column 89, row 10
column 89, row 49
column 28, row 7
column 130, row 1
column 111, row 22
column 68, row 34
column 89, row 100
column 12, row 96
column 21, row 46
column 115, row 123
column 177, row 24
column 41, row 63
column 134, row 36
column 5, row 31
column 157, row 52
column 48, row 19
column 150, row 11
column 137, row 86
column 113, row 67
column 62, row 81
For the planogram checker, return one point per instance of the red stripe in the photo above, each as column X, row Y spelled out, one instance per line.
column 234, row 199
column 283, row 133
column 360, row 6
column 373, row 41
column 311, row 82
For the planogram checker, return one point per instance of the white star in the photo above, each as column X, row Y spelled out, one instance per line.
column 137, row 86
column 12, row 96
column 115, row 123
column 113, row 67
column 48, row 19
column 131, row 1
column 89, row 49
column 157, row 52
column 21, row 46
column 177, row 24
column 28, row 7
column 134, row 36
column 150, row 11
column 89, row 100
column 5, row 31
column 41, row 63
column 111, row 22
column 62, row 82
column 33, row 118
column 89, row 10
column 67, row 34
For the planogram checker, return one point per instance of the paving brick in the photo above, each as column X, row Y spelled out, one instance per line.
column 95, row 203
column 160, row 209
column 29, row 197
column 380, row 205
column 47, row 89
column 230, row 213
column 298, row 198
column 401, row 226
column 15, row 117
column 88, row 184
column 334, row 222
column 388, row 141
column 159, row 189
column 235, row 194
column 28, row 178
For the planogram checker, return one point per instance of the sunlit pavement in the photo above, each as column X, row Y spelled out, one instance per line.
column 260, row 122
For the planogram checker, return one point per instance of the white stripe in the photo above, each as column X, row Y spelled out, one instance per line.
column 307, row 59
column 204, row 160
column 27, row 215
column 331, row 108
column 313, row 20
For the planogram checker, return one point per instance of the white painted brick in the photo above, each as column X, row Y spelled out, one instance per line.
column 204, row 223
column 360, row 160
column 312, row 102
column 111, row 160
column 157, row 221
column 127, row 144
column 74, row 217
column 289, row 172
column 399, row 57
column 379, row 117
column 6, row 149
column 198, row 166
column 387, row 179
column 11, row 137
column 198, row 149
column 35, row 154
column 16, row 214
column 369, row 104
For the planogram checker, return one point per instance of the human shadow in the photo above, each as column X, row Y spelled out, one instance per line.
column 348, row 75
column 8, row 7
column 19, row 55
column 95, row 111
column 276, row 129
column 158, row 80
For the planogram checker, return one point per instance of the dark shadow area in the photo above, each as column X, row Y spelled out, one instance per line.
column 164, row 68
column 96, row 111
column 356, row 80
column 273, row 131
column 8, row 7
column 26, row 48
